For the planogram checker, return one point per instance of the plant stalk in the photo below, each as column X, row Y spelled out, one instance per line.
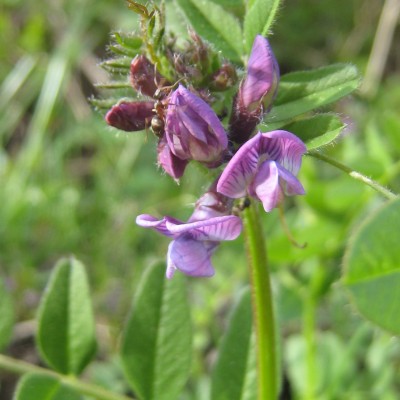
column 21, row 367
column 354, row 174
column 263, row 313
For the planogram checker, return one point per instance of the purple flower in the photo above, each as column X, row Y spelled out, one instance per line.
column 130, row 116
column 259, row 87
column 256, row 91
column 195, row 241
column 171, row 164
column 192, row 129
column 265, row 168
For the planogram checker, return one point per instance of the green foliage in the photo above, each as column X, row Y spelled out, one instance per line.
column 234, row 375
column 300, row 92
column 126, row 45
column 71, row 185
column 6, row 316
column 212, row 22
column 66, row 331
column 36, row 386
column 259, row 18
column 156, row 348
column 372, row 267
column 318, row 130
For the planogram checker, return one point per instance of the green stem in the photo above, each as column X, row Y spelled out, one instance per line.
column 21, row 367
column 263, row 314
column 354, row 174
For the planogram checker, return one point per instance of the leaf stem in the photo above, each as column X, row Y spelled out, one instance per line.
column 263, row 314
column 354, row 174
column 21, row 367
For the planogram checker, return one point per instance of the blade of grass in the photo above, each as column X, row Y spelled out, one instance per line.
column 16, row 78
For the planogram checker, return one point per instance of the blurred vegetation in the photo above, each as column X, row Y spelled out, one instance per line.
column 72, row 185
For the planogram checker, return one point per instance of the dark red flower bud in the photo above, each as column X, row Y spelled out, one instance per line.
column 130, row 116
column 144, row 77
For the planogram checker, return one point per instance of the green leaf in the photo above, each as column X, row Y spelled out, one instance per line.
column 120, row 64
column 300, row 92
column 234, row 376
column 236, row 7
column 128, row 45
column 334, row 362
column 216, row 25
column 156, row 345
column 258, row 19
column 6, row 316
column 41, row 387
column 66, row 330
column 318, row 130
column 372, row 267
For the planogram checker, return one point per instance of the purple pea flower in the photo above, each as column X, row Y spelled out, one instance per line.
column 193, row 130
column 195, row 241
column 256, row 91
column 259, row 87
column 265, row 168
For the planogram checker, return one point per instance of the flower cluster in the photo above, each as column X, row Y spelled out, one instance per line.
column 263, row 166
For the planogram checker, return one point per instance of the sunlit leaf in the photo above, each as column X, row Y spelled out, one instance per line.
column 156, row 346
column 66, row 330
column 372, row 267
column 300, row 92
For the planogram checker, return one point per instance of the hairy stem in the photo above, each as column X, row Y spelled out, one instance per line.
column 263, row 314
column 21, row 367
column 354, row 174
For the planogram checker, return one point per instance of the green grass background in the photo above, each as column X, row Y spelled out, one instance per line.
column 71, row 185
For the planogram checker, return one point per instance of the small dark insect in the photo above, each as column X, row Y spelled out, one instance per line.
column 157, row 125
column 161, row 102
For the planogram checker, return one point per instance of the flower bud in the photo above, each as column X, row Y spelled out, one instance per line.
column 130, row 116
column 224, row 78
column 144, row 77
column 212, row 204
column 261, row 83
column 193, row 130
column 256, row 91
